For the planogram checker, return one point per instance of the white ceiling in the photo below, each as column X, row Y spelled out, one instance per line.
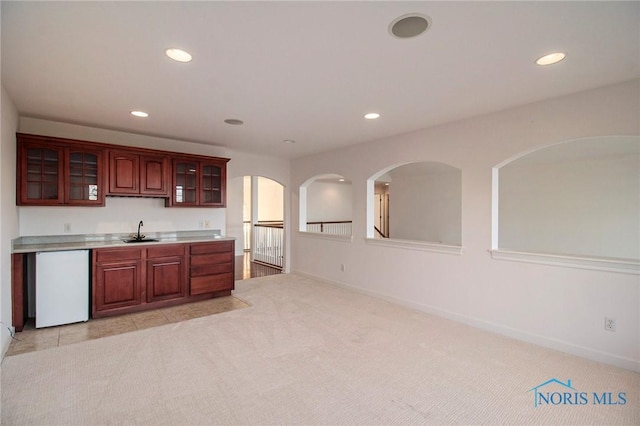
column 306, row 71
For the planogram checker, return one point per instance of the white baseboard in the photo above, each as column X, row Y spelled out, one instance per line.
column 544, row 341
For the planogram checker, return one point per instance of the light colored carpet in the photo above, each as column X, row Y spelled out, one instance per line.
column 307, row 352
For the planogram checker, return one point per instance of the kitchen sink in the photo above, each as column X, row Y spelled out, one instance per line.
column 142, row 240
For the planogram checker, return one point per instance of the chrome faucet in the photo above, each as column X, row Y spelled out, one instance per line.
column 138, row 237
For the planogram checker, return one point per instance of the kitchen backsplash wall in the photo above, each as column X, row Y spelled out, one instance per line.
column 120, row 215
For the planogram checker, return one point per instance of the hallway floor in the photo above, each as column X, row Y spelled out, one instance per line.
column 246, row 269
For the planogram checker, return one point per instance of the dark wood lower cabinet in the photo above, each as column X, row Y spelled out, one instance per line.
column 118, row 285
column 117, row 280
column 211, row 267
column 166, row 273
column 135, row 279
column 18, row 291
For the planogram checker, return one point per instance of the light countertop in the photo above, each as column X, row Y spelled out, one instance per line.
column 90, row 241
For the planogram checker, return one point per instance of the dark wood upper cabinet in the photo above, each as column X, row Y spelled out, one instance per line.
column 132, row 173
column 57, row 172
column 154, row 175
column 212, row 179
column 84, row 176
column 185, row 183
column 198, row 182
column 53, row 171
column 124, row 173
column 40, row 173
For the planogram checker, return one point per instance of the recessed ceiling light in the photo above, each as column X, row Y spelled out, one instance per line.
column 178, row 55
column 140, row 114
column 371, row 116
column 234, row 121
column 289, row 141
column 408, row 26
column 551, row 58
column 341, row 180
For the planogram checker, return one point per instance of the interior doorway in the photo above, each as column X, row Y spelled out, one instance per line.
column 381, row 210
column 263, row 221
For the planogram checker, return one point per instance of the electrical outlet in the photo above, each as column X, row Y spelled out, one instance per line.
column 207, row 224
column 609, row 324
column 67, row 228
column 342, row 267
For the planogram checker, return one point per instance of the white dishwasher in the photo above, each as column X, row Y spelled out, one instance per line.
column 62, row 287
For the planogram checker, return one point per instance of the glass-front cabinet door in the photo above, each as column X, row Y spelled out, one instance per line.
column 54, row 171
column 198, row 182
column 84, row 183
column 42, row 166
column 211, row 193
column 185, row 183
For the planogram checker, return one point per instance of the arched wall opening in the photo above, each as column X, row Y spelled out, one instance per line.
column 326, row 205
column 419, row 201
column 576, row 198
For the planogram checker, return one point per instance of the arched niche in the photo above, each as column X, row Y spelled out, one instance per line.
column 326, row 205
column 576, row 198
column 423, row 204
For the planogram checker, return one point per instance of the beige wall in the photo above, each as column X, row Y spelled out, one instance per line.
column 556, row 306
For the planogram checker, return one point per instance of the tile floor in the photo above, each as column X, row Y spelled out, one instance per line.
column 32, row 339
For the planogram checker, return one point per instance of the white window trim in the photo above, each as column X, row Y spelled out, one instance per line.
column 415, row 245
column 625, row 266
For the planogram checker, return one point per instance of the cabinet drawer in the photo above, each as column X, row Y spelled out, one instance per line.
column 211, row 283
column 217, row 247
column 115, row 255
column 209, row 259
column 165, row 251
column 197, row 271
